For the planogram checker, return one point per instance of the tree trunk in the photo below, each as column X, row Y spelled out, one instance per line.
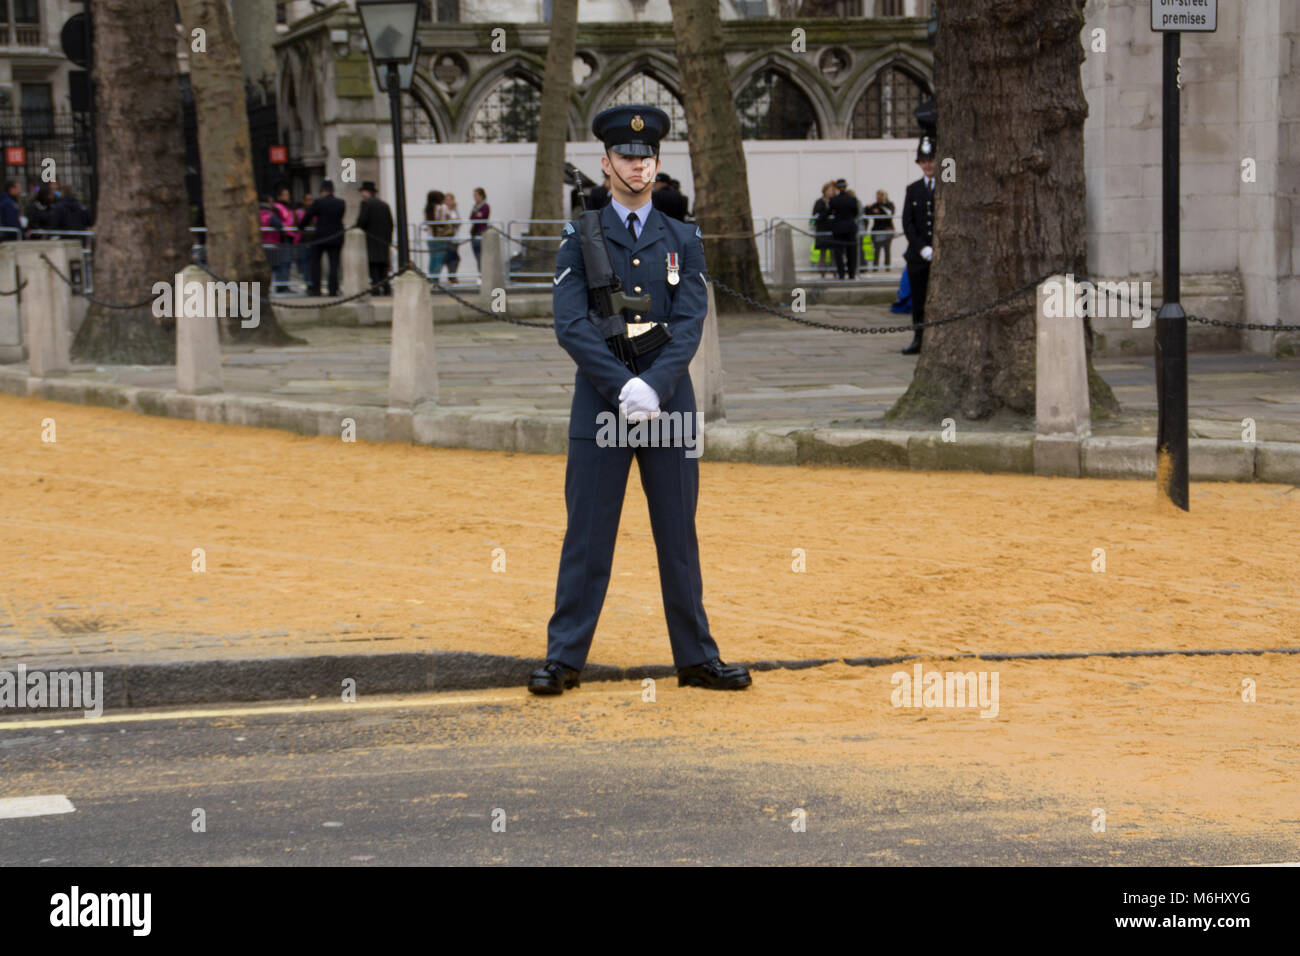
column 722, row 208
column 141, row 228
column 255, row 34
column 553, row 134
column 1010, row 130
column 234, row 237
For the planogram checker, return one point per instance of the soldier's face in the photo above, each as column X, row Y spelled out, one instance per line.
column 636, row 171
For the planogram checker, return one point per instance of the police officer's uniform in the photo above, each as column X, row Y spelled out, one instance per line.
column 918, row 226
column 666, row 261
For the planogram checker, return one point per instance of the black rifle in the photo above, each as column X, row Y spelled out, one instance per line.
column 606, row 299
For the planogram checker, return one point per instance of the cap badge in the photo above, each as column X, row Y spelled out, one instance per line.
column 637, row 123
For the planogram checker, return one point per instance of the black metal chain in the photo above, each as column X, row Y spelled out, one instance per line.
column 1252, row 326
column 876, row 329
column 90, row 298
column 17, row 290
column 504, row 317
column 319, row 305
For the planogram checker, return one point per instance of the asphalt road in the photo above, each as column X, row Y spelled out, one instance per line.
column 416, row 780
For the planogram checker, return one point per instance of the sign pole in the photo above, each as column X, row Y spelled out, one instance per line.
column 1171, row 321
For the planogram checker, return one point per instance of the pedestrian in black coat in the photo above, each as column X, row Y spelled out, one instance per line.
column 69, row 214
column 667, row 199
column 821, row 223
column 376, row 221
column 40, row 212
column 326, row 214
column 844, row 212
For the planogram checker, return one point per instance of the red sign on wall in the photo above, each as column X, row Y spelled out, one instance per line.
column 279, row 154
column 16, row 155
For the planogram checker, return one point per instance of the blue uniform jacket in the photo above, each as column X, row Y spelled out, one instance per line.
column 600, row 376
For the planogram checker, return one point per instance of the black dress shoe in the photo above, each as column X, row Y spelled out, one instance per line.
column 714, row 675
column 552, row 678
column 914, row 348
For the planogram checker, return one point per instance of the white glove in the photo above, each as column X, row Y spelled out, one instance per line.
column 927, row 253
column 638, row 401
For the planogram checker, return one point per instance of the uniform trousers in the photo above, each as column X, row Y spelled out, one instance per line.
column 594, row 485
column 844, row 246
column 918, row 280
column 332, row 253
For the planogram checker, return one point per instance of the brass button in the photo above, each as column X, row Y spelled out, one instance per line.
column 636, row 288
column 637, row 317
column 636, row 262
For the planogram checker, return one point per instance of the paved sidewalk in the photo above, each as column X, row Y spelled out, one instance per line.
column 778, row 374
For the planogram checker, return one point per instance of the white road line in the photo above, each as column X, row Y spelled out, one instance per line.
column 432, row 701
column 1243, row 866
column 12, row 807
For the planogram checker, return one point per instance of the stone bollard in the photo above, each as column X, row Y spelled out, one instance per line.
column 706, row 367
column 412, row 365
column 783, row 274
column 1061, row 386
column 355, row 264
column 11, row 329
column 493, row 264
column 198, row 345
column 45, row 307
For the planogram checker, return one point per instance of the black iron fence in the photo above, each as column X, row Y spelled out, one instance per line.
column 65, row 138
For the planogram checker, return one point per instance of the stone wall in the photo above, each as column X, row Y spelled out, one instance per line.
column 1234, row 106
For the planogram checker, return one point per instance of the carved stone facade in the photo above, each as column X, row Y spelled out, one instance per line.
column 818, row 79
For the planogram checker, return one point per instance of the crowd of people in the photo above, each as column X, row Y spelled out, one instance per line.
column 47, row 212
column 441, row 230
column 309, row 232
column 848, row 235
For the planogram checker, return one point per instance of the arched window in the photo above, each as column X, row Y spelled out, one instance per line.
column 772, row 107
column 417, row 127
column 648, row 89
column 508, row 114
column 887, row 108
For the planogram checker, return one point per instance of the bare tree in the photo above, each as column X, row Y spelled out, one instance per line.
column 234, row 237
column 142, row 217
column 1010, row 136
column 717, row 157
column 553, row 130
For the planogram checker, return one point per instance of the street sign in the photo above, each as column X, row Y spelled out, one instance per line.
column 15, row 155
column 279, row 154
column 1185, row 16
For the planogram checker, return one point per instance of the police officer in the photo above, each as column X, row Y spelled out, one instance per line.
column 652, row 254
column 844, row 211
column 918, row 226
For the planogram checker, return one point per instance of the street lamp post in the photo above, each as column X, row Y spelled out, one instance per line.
column 390, row 37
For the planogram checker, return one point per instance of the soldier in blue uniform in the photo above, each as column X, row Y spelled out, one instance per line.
column 659, row 256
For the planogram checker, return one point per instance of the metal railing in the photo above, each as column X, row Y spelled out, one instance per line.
column 805, row 234
column 517, row 244
column 421, row 238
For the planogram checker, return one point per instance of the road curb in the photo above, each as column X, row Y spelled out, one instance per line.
column 181, row 683
column 1112, row 456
